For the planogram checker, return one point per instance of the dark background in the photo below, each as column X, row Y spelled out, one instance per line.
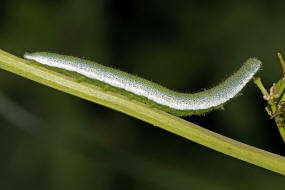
column 52, row 140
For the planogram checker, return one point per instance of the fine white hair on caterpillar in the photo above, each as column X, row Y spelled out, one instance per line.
column 177, row 103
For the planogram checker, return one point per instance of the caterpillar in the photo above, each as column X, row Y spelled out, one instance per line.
column 176, row 103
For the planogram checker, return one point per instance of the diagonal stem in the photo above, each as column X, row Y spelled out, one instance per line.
column 143, row 112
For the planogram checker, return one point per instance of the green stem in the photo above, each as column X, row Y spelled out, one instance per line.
column 280, row 126
column 282, row 132
column 259, row 84
column 143, row 112
column 282, row 63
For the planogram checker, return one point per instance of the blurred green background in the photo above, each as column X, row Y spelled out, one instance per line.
column 52, row 140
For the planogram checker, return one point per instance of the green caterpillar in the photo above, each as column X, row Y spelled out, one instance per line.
column 180, row 104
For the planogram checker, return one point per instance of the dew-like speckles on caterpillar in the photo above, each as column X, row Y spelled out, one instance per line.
column 176, row 103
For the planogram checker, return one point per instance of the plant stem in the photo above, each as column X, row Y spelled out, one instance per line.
column 280, row 126
column 281, row 62
column 259, row 84
column 143, row 112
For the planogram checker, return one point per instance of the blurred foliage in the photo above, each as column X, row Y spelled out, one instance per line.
column 184, row 45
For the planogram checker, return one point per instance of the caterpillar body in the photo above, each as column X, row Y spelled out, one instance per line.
column 177, row 103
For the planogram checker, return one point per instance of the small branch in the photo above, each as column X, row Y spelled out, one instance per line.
column 281, row 62
column 259, row 84
column 143, row 112
column 275, row 99
column 281, row 128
